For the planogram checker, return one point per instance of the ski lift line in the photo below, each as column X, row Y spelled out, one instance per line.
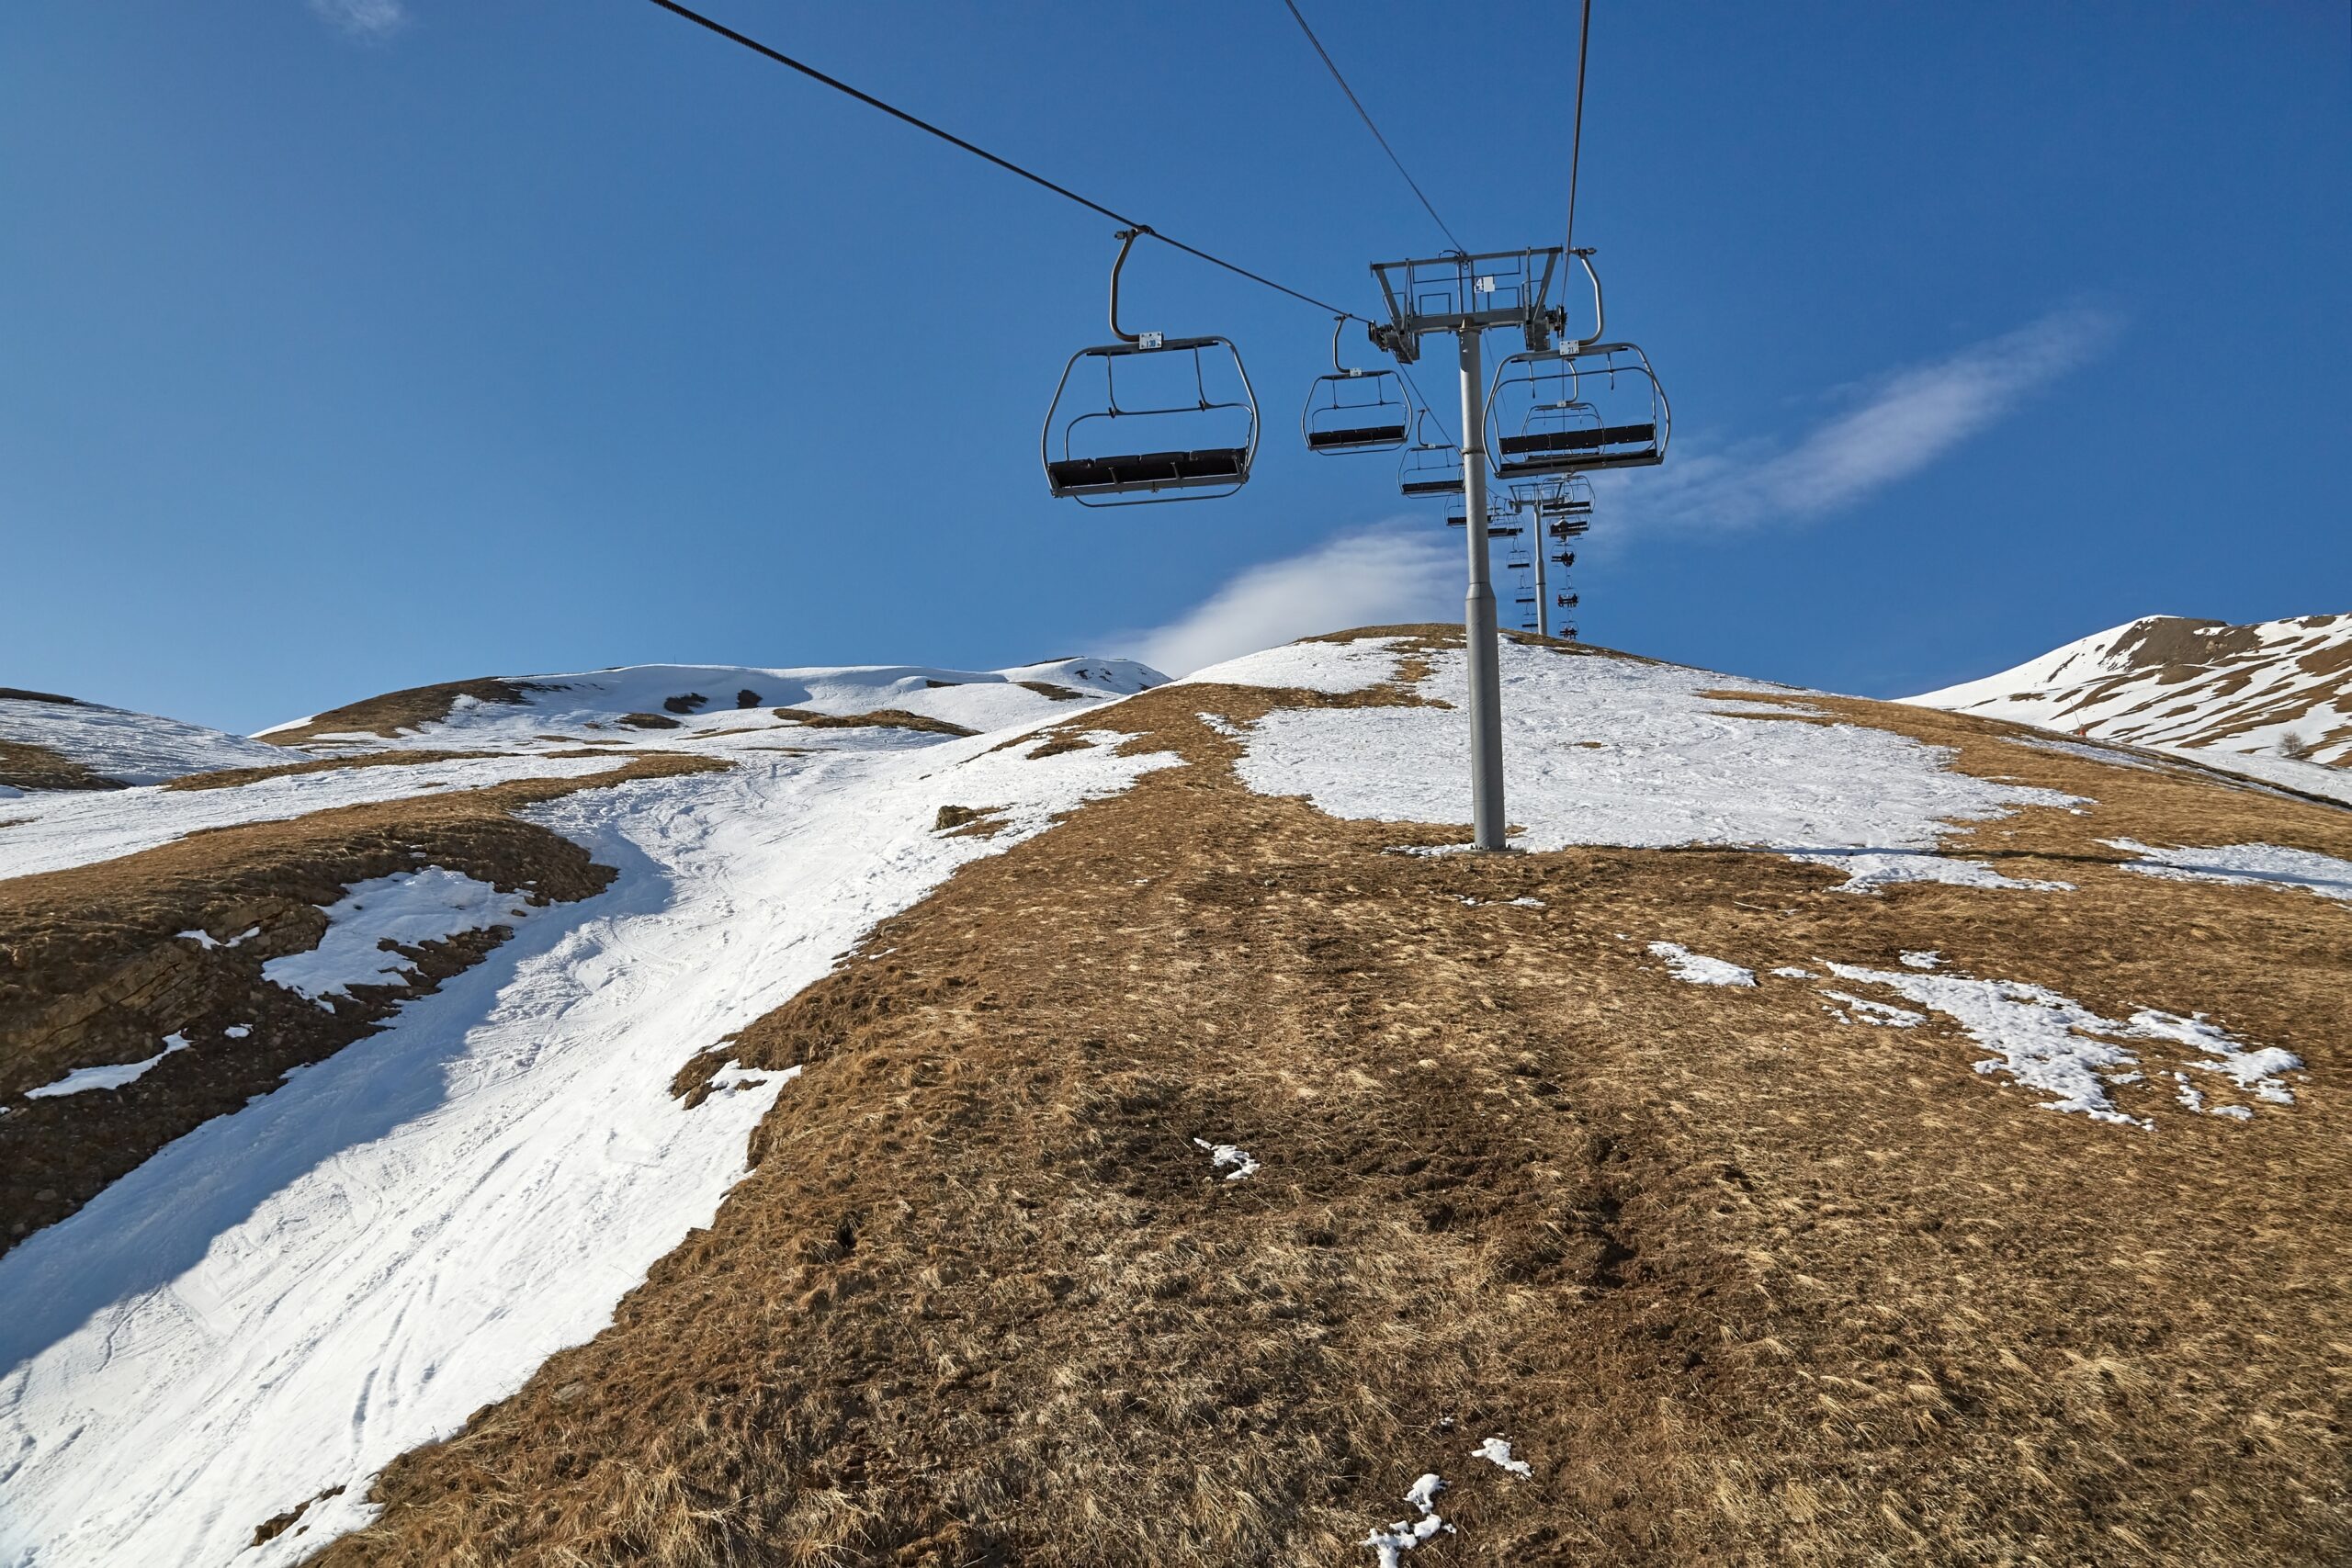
column 756, row 47
column 1365, row 115
column 1575, row 140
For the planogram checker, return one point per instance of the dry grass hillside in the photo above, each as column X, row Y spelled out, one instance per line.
column 1742, row 1281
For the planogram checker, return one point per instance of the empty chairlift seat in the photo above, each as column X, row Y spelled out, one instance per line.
column 1355, row 410
column 1575, row 410
column 1157, row 429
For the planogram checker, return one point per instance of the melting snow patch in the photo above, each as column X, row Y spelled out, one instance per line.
column 1675, row 767
column 1496, row 1453
column 80, row 1080
column 407, row 908
column 1528, row 904
column 2255, row 1071
column 1867, row 871
column 238, row 1030
column 1219, row 723
column 734, row 1076
column 1869, row 1011
column 1222, row 1156
column 2249, row 865
column 1698, row 969
column 2051, row 1043
column 1926, row 959
column 1405, row 1534
column 208, row 941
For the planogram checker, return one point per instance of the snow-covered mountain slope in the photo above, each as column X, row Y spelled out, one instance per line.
column 524, row 711
column 1141, row 1134
column 101, row 746
column 2279, row 688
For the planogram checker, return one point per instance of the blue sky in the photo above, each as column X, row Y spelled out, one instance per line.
column 356, row 343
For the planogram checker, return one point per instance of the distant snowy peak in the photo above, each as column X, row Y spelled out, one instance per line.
column 49, row 742
column 504, row 712
column 2279, row 688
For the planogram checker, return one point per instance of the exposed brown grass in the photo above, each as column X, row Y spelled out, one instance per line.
column 92, row 971
column 395, row 711
column 24, row 765
column 877, row 719
column 1745, row 1285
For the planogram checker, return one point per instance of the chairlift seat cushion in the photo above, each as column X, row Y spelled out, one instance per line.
column 1431, row 487
column 1365, row 435
column 1149, row 471
column 1604, row 446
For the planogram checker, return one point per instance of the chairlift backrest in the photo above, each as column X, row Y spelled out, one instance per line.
column 1197, row 442
column 1355, row 410
column 1576, row 409
column 1429, row 467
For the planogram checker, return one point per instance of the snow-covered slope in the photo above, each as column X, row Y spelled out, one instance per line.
column 121, row 747
column 533, row 710
column 293, row 1294
column 2279, row 688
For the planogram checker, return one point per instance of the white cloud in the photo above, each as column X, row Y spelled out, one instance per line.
column 363, row 18
column 1376, row 576
column 1903, row 423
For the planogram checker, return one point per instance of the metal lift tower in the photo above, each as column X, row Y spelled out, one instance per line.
column 1467, row 295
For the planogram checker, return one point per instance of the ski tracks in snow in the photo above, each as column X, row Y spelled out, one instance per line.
column 288, row 1298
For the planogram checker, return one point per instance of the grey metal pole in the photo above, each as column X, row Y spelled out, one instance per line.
column 1534, row 523
column 1481, row 641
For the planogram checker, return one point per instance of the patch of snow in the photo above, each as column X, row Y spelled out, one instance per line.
column 238, row 1030
column 2051, row 1043
column 1882, row 1013
column 407, row 908
column 734, row 1076
column 291, row 1296
column 1529, row 903
column 2284, row 773
column 571, row 704
column 130, row 748
column 2256, row 1070
column 1334, row 668
column 206, row 940
column 2037, row 1034
column 1698, row 969
column 2247, row 866
column 82, row 1080
column 1405, row 1534
column 1496, row 1453
column 1222, row 1156
column 1220, row 724
column 1677, row 769
column 1867, row 871
column 1924, row 958
column 1791, row 972
column 64, row 830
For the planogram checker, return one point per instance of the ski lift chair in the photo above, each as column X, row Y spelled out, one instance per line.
column 1355, row 410
column 1567, row 601
column 1429, row 467
column 1207, row 439
column 1576, row 409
